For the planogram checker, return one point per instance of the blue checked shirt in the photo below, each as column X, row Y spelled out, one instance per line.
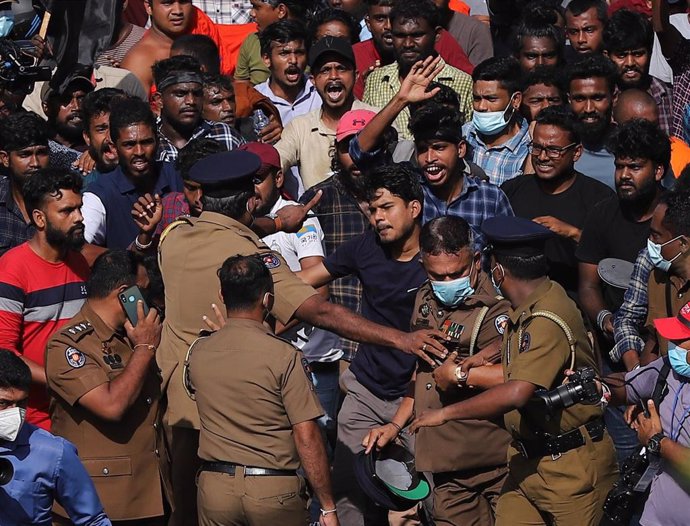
column 632, row 314
column 14, row 230
column 501, row 162
column 217, row 131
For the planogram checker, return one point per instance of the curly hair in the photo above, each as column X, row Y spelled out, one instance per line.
column 21, row 130
column 627, row 30
column 433, row 118
column 505, row 70
column 328, row 14
column 593, row 65
column 560, row 117
column 283, row 31
column 677, row 217
column 639, row 138
column 48, row 182
column 99, row 102
column 416, row 9
column 126, row 112
column 163, row 68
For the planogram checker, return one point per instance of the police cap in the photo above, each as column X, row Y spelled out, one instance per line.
column 224, row 173
column 515, row 236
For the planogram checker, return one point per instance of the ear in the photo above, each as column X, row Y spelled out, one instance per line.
column 5, row 158
column 437, row 34
column 659, row 172
column 578, row 152
column 147, row 6
column 46, row 108
column 266, row 59
column 283, row 11
column 157, row 98
column 38, row 218
column 220, row 296
column 517, row 100
column 416, row 208
column 279, row 179
column 462, row 149
column 87, row 139
column 366, row 21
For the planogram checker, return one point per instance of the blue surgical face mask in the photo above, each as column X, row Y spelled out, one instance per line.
column 6, row 23
column 453, row 293
column 492, row 122
column 658, row 260
column 678, row 357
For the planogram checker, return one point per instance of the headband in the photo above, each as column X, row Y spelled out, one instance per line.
column 179, row 77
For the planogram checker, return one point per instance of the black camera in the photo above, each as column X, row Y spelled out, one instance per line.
column 624, row 500
column 581, row 387
column 18, row 65
column 6, row 471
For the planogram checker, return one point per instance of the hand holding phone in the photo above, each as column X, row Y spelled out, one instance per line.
column 129, row 298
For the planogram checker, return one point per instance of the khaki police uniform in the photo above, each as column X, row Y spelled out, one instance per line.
column 666, row 296
column 467, row 457
column 190, row 253
column 251, row 387
column 125, row 459
column 568, row 488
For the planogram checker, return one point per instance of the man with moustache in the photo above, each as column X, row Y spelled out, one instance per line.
column 590, row 86
column 628, row 42
column 62, row 107
column 557, row 196
column 42, row 281
column 108, row 201
column 415, row 29
column 584, row 26
column 180, row 95
column 96, row 114
column 307, row 140
column 23, row 151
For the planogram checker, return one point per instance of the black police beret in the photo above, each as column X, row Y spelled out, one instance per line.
column 515, row 236
column 221, row 173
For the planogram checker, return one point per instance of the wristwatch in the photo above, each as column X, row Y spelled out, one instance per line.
column 460, row 376
column 654, row 444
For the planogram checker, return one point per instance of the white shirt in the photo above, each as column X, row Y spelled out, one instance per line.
column 308, row 100
column 94, row 219
column 318, row 345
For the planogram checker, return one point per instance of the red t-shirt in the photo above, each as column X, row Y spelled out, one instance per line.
column 36, row 299
column 366, row 56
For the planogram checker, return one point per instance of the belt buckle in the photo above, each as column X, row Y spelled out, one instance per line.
column 521, row 448
column 556, row 456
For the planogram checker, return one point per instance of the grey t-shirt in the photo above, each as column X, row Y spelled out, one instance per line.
column 599, row 165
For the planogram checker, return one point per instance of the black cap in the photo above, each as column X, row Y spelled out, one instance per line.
column 223, row 173
column 331, row 45
column 515, row 236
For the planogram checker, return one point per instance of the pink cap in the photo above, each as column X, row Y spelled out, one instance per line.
column 677, row 328
column 267, row 153
column 352, row 123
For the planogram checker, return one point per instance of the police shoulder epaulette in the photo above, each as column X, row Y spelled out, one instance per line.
column 77, row 331
column 182, row 220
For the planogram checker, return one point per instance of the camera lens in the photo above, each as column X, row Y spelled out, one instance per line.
column 123, row 298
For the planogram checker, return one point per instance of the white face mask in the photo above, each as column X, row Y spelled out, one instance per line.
column 11, row 421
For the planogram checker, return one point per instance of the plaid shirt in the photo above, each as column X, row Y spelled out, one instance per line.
column 478, row 201
column 174, row 205
column 13, row 229
column 662, row 93
column 218, row 131
column 383, row 83
column 341, row 219
column 501, row 162
column 680, row 64
column 226, row 11
column 632, row 314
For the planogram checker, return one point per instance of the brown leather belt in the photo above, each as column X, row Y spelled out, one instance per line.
column 229, row 469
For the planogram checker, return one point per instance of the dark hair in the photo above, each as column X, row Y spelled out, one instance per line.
column 591, row 66
column 232, row 205
column 505, row 70
column 218, row 81
column 99, row 102
column 48, row 182
column 243, row 281
column 683, row 180
column 126, row 112
column 445, row 235
column 298, row 8
column 677, row 218
column 163, row 68
column 375, row 3
column 328, row 14
column 433, row 117
column 643, row 139
column 547, row 75
column 200, row 47
column 446, row 96
column 112, row 270
column 628, row 30
column 561, row 117
column 400, row 179
column 21, row 130
column 577, row 7
column 194, row 151
column 283, row 31
column 14, row 373
column 416, row 9
column 538, row 23
column 524, row 267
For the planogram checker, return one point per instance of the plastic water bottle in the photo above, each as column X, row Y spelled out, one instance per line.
column 260, row 121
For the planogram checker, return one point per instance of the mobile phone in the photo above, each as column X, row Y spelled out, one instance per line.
column 129, row 298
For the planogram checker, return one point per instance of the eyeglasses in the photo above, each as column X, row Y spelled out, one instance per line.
column 552, row 152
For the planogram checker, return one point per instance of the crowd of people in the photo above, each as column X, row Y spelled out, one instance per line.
column 256, row 257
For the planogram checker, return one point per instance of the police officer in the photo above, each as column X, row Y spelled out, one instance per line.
column 459, row 300
column 190, row 252
column 560, row 468
column 106, row 393
column 258, row 411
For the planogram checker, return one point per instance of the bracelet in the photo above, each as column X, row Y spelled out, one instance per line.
column 279, row 223
column 324, row 513
column 150, row 347
column 141, row 246
column 396, row 427
column 603, row 313
column 605, row 395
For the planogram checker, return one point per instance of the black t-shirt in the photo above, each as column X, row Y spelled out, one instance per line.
column 570, row 206
column 390, row 288
column 611, row 233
